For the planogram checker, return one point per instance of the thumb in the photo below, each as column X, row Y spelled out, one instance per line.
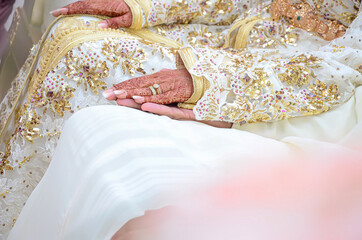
column 123, row 21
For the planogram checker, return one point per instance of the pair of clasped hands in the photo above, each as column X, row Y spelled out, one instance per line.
column 173, row 85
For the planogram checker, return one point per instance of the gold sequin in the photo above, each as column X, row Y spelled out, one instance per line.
column 57, row 101
column 29, row 125
column 90, row 72
column 130, row 58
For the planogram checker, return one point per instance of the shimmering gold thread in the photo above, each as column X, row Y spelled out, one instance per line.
column 144, row 34
column 200, row 84
column 81, row 35
column 33, row 65
column 25, row 160
column 235, row 26
column 4, row 193
column 137, row 18
column 31, row 70
column 243, row 34
column 154, row 37
column 146, row 7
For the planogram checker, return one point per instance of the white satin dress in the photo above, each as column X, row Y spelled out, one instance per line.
column 114, row 163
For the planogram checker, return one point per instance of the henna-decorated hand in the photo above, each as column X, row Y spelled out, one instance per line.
column 173, row 86
column 118, row 10
column 164, row 87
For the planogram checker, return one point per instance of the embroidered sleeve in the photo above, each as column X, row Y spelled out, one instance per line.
column 267, row 84
column 195, row 11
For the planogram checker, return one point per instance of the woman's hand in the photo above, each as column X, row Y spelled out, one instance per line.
column 172, row 86
column 118, row 10
column 164, row 87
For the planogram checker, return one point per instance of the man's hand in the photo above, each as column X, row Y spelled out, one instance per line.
column 118, row 10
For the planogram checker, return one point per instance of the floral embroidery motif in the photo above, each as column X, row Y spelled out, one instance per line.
column 252, row 96
column 129, row 57
column 88, row 71
column 57, row 101
column 299, row 70
column 219, row 12
column 271, row 34
column 204, row 37
column 29, row 123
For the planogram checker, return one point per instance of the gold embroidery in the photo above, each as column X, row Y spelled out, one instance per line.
column 57, row 101
column 299, row 75
column 89, row 71
column 29, row 125
column 204, row 37
column 182, row 11
column 270, row 35
column 4, row 163
column 130, row 60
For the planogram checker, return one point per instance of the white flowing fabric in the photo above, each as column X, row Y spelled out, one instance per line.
column 113, row 163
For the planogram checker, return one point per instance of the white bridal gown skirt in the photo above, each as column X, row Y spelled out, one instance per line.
column 114, row 163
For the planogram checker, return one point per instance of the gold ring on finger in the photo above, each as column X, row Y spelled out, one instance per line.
column 158, row 89
column 153, row 90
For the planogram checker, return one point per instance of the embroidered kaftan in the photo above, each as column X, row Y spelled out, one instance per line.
column 279, row 72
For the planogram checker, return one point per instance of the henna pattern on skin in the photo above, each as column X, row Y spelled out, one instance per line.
column 118, row 10
column 176, row 86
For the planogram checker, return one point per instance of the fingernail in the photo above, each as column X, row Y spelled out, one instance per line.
column 109, row 94
column 106, row 95
column 138, row 99
column 120, row 93
column 103, row 25
column 59, row 11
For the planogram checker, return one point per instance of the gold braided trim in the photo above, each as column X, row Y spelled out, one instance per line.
column 200, row 84
column 27, row 79
column 28, row 83
column 186, row 105
column 243, row 34
column 64, row 42
column 146, row 7
column 240, row 39
column 137, row 18
column 61, row 45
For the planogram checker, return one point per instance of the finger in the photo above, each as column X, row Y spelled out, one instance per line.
column 128, row 103
column 123, row 21
column 218, row 124
column 172, row 112
column 58, row 12
column 109, row 95
column 137, row 92
column 166, row 98
column 139, row 82
column 81, row 7
column 162, row 88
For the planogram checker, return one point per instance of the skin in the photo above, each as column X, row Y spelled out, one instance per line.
column 118, row 10
column 176, row 86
